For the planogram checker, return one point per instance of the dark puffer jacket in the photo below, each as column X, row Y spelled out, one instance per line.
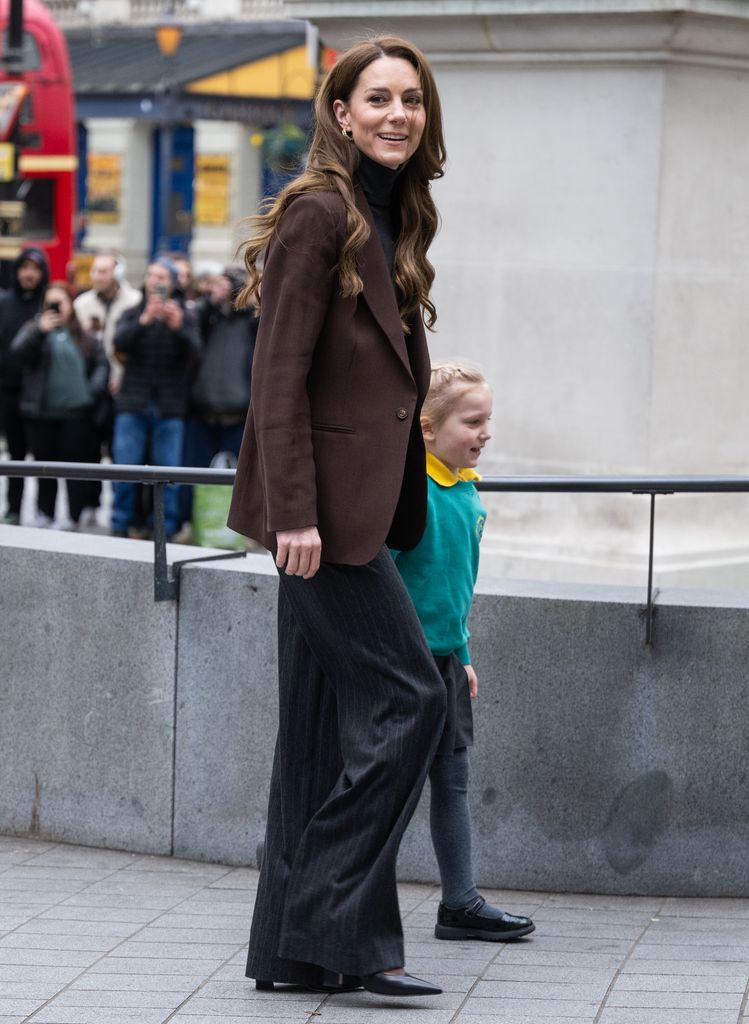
column 222, row 384
column 16, row 308
column 157, row 363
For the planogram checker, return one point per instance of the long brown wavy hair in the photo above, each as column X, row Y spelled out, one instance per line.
column 83, row 339
column 331, row 164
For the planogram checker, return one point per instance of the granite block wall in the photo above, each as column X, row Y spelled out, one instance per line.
column 600, row 764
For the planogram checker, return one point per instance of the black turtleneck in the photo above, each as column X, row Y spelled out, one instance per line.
column 377, row 182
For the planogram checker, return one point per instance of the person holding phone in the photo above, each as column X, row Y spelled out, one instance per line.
column 21, row 302
column 64, row 378
column 158, row 342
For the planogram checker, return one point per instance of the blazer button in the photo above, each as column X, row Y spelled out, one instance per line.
column 402, row 413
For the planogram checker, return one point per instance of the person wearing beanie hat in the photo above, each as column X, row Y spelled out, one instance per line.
column 18, row 305
column 158, row 343
column 171, row 267
column 220, row 393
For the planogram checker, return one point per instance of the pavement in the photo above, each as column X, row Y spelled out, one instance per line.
column 91, row 936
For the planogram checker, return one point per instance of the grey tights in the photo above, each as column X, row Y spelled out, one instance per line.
column 450, row 822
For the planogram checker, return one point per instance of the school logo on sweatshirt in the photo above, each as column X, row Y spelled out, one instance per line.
column 480, row 526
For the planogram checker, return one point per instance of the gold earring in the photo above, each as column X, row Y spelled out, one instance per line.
column 345, row 133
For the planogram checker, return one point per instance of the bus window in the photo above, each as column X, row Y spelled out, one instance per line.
column 26, row 114
column 31, row 58
column 39, row 195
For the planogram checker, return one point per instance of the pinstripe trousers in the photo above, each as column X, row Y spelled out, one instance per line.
column 361, row 710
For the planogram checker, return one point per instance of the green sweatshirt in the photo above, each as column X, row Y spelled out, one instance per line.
column 440, row 572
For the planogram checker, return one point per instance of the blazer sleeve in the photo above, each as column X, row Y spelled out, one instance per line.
column 299, row 280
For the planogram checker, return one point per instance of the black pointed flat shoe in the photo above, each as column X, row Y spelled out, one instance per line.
column 468, row 923
column 384, row 984
column 330, row 982
column 334, row 982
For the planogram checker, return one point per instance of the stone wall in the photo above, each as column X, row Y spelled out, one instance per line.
column 600, row 765
column 592, row 258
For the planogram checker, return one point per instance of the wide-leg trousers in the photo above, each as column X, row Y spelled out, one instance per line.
column 361, row 711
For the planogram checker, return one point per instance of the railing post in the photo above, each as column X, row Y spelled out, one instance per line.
column 649, row 612
column 164, row 588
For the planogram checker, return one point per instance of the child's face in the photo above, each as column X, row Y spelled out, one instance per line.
column 460, row 438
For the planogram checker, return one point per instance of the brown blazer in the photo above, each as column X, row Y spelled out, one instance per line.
column 332, row 437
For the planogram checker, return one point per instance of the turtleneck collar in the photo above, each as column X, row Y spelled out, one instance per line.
column 377, row 181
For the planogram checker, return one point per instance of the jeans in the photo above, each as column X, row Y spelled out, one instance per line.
column 202, row 442
column 137, row 439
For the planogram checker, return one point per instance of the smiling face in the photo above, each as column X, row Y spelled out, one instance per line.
column 384, row 115
column 460, row 438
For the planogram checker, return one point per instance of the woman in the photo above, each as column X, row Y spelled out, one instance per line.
column 331, row 470
column 65, row 377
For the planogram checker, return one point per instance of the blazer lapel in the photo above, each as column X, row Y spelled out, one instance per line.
column 379, row 292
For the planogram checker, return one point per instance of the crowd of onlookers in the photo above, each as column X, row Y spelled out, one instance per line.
column 157, row 376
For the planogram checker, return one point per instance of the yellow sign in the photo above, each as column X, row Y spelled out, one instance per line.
column 104, row 188
column 7, row 163
column 212, row 177
column 62, row 162
column 82, row 262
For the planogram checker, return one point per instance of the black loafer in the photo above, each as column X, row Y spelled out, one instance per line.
column 384, row 984
column 467, row 923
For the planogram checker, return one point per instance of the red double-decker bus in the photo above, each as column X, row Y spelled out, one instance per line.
column 37, row 135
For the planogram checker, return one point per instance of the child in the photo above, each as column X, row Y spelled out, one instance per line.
column 440, row 574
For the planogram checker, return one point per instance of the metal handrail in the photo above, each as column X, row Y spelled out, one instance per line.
column 130, row 474
column 519, row 483
column 166, row 588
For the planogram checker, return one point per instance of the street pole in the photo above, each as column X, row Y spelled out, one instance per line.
column 168, row 38
column 166, row 157
column 14, row 53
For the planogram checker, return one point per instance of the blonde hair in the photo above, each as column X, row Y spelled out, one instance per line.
column 449, row 382
column 331, row 165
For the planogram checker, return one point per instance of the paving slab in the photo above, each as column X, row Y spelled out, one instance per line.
column 625, row 1015
column 95, row 936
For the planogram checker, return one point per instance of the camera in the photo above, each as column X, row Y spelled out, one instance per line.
column 53, row 307
column 160, row 290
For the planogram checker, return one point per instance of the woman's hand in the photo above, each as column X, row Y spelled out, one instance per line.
column 173, row 314
column 49, row 320
column 154, row 310
column 473, row 681
column 299, row 551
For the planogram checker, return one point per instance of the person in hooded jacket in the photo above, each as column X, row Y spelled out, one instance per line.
column 18, row 305
column 220, row 393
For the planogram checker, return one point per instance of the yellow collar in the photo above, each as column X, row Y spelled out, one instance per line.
column 445, row 477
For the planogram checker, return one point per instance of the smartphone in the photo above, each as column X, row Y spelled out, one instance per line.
column 53, row 307
column 160, row 290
